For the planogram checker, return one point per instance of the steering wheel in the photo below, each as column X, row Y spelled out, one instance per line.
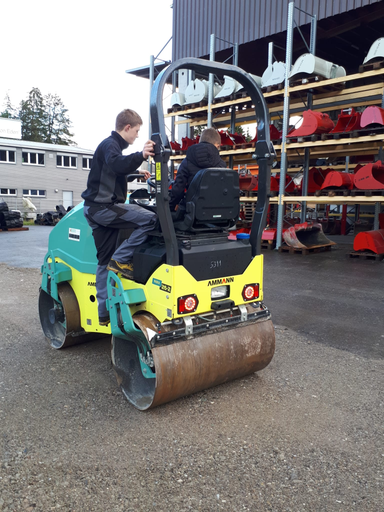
column 151, row 183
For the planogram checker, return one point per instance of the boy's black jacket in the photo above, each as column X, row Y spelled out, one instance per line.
column 107, row 179
column 199, row 156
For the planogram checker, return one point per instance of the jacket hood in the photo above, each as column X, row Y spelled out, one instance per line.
column 203, row 155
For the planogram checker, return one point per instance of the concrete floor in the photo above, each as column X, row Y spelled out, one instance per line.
column 333, row 299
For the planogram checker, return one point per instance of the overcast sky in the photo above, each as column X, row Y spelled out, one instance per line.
column 80, row 51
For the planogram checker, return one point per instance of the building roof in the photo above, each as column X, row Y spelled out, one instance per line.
column 143, row 71
column 345, row 29
column 59, row 148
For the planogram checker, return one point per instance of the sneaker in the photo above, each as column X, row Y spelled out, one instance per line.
column 104, row 320
column 125, row 269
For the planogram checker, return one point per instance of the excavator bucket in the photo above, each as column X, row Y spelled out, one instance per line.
column 275, row 184
column 187, row 142
column 306, row 236
column 237, row 138
column 337, row 179
column 313, row 123
column 248, row 181
column 197, row 91
column 316, row 177
column 376, row 51
column 274, row 133
column 226, row 140
column 372, row 116
column 177, row 99
column 175, row 145
column 348, row 121
column 230, row 86
column 370, row 240
column 309, row 65
column 273, row 75
column 370, row 177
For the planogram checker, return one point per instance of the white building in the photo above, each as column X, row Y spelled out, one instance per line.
column 48, row 174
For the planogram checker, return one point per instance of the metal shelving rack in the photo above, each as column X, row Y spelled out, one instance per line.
column 356, row 90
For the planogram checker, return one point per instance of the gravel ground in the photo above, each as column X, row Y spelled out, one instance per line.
column 305, row 434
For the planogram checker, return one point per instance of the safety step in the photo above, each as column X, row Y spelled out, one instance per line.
column 304, row 251
column 366, row 255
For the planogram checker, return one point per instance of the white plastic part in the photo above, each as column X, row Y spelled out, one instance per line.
column 28, row 205
column 197, row 90
column 177, row 98
column 273, row 75
column 230, row 87
column 309, row 65
column 256, row 78
column 376, row 51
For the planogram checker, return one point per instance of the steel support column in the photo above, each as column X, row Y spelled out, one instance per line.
column 284, row 159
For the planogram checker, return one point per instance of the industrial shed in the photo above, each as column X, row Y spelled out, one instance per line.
column 346, row 27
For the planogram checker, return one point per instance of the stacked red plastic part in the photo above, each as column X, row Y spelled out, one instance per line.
column 313, row 123
column 348, row 121
column 372, row 115
column 370, row 176
column 274, row 133
column 370, row 240
column 337, row 179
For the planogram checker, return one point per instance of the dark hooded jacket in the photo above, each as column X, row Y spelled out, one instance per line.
column 107, row 179
column 199, row 156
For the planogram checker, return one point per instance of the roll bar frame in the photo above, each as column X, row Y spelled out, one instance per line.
column 264, row 151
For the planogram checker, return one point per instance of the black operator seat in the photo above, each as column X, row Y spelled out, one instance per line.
column 211, row 203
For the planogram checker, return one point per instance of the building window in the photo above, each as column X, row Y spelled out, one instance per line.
column 66, row 161
column 8, row 155
column 87, row 162
column 33, row 158
column 33, row 192
column 8, row 191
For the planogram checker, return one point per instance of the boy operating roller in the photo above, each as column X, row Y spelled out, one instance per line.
column 105, row 205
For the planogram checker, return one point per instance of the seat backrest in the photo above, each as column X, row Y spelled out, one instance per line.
column 213, row 196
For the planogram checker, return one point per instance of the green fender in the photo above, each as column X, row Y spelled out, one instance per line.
column 54, row 273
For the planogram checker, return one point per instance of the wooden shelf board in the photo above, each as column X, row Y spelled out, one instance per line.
column 319, row 200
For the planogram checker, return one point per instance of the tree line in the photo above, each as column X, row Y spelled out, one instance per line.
column 43, row 118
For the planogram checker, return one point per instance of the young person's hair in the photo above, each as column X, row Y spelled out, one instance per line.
column 210, row 135
column 125, row 117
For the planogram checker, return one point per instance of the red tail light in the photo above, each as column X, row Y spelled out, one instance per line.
column 251, row 291
column 187, row 304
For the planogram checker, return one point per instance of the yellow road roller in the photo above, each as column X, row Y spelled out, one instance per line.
column 193, row 316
